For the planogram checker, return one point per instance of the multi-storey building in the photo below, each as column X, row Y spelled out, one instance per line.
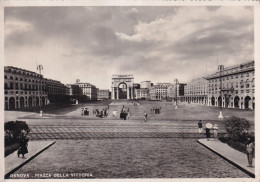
column 237, row 89
column 146, row 84
column 23, row 88
column 159, row 91
column 73, row 90
column 89, row 90
column 102, row 94
column 142, row 93
column 196, row 91
column 171, row 91
column 56, row 91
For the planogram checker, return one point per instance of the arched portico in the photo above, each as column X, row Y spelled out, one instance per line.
column 248, row 102
column 236, row 102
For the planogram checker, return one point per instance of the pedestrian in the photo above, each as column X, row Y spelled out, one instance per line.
column 215, row 131
column 121, row 114
column 124, row 115
column 128, row 114
column 23, row 146
column 207, row 133
column 200, row 126
column 250, row 147
column 145, row 116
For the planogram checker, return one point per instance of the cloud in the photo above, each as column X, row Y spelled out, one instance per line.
column 153, row 43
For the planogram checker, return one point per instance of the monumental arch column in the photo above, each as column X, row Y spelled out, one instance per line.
column 132, row 92
column 117, row 94
column 127, row 92
column 113, row 93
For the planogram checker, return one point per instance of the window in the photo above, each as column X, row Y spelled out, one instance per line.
column 11, row 78
column 5, row 77
column 6, row 86
column 21, row 86
column 16, row 86
column 16, row 78
column 21, row 79
column 242, row 91
column 11, row 85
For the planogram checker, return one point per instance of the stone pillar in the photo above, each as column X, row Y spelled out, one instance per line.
column 132, row 92
column 127, row 93
column 117, row 94
column 112, row 93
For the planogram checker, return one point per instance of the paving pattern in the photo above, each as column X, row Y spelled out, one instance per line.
column 173, row 130
column 132, row 158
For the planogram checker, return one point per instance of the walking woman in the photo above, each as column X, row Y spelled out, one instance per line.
column 23, row 147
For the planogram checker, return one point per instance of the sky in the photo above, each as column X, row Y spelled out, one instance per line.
column 152, row 43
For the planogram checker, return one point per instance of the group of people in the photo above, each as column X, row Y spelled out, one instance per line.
column 100, row 113
column 156, row 110
column 207, row 129
column 124, row 115
column 250, row 146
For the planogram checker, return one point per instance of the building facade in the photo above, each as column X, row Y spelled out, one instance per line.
column 142, row 93
column 146, row 84
column 159, row 91
column 196, row 91
column 56, row 91
column 174, row 92
column 89, row 90
column 103, row 94
column 233, row 87
column 73, row 90
column 23, row 89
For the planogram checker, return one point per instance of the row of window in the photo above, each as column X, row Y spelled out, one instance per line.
column 23, row 73
column 242, row 75
column 236, row 91
column 24, row 79
column 22, row 86
column 22, row 92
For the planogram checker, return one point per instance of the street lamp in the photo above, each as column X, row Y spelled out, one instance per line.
column 221, row 68
column 176, row 83
column 40, row 68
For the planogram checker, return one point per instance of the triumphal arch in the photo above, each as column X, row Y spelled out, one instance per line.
column 122, row 87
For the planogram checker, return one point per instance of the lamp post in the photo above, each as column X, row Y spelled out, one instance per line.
column 176, row 102
column 221, row 68
column 40, row 68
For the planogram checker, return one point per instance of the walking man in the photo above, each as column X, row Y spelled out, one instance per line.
column 249, row 151
column 145, row 116
column 200, row 126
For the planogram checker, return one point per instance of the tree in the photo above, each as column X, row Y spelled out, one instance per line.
column 237, row 128
column 14, row 130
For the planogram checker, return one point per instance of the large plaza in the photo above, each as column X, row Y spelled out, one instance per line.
column 163, row 147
